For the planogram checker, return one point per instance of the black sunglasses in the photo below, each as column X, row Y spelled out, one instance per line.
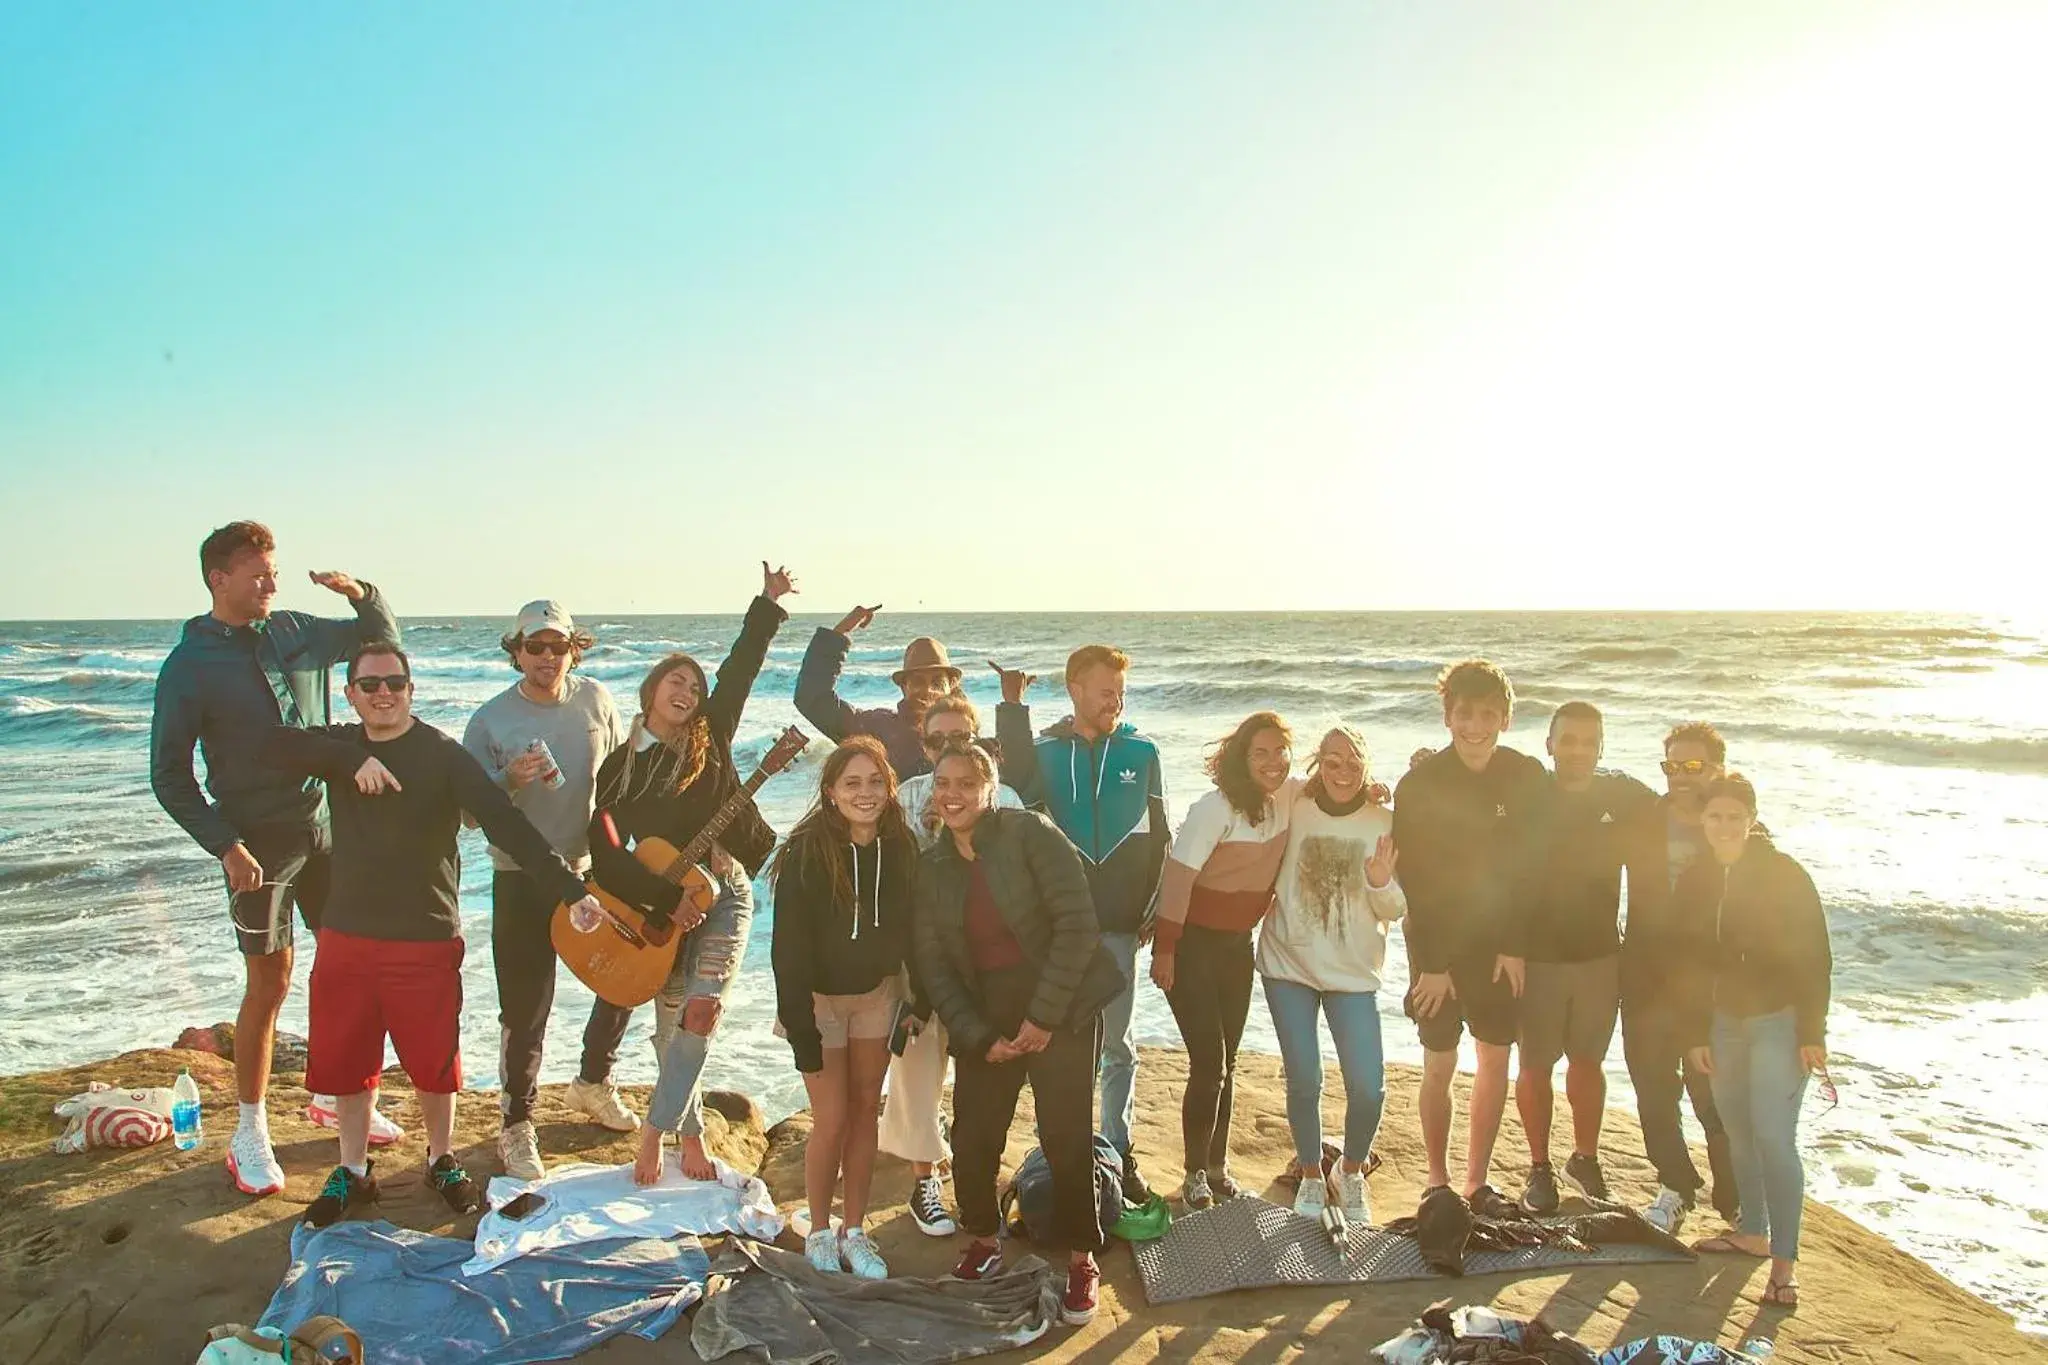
column 554, row 647
column 377, row 682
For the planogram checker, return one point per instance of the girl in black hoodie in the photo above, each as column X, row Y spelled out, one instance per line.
column 1757, row 1006
column 842, row 932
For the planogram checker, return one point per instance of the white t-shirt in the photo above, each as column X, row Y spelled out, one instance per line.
column 1327, row 928
column 588, row 1203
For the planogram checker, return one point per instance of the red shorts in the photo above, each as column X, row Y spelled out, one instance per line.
column 365, row 989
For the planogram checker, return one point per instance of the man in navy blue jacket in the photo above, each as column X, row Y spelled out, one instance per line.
column 237, row 672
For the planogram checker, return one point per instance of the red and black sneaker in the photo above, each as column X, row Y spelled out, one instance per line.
column 983, row 1259
column 1083, row 1279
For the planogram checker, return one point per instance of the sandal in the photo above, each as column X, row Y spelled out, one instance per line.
column 1781, row 1294
column 1724, row 1245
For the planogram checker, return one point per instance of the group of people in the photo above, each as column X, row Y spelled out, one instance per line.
column 951, row 896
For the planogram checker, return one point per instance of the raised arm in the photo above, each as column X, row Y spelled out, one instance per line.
column 329, row 640
column 173, row 731
column 742, row 665
column 1020, row 752
column 1062, row 884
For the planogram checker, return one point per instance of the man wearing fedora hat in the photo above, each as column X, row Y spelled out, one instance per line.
column 541, row 739
column 927, row 674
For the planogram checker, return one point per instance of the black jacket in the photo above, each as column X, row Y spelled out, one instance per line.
column 828, row 947
column 1754, row 940
column 646, row 805
column 1038, row 883
column 1653, row 951
column 1473, row 849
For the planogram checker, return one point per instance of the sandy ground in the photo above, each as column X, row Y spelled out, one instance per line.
column 129, row 1256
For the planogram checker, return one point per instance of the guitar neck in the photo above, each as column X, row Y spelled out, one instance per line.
column 715, row 826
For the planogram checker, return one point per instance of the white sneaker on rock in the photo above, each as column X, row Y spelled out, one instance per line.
column 1667, row 1211
column 322, row 1112
column 519, row 1152
column 861, row 1257
column 1357, row 1206
column 821, row 1249
column 599, row 1102
column 252, row 1164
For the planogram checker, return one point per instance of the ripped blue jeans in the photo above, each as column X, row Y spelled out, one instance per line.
column 706, row 967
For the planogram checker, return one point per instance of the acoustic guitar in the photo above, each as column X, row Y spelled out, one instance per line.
column 628, row 956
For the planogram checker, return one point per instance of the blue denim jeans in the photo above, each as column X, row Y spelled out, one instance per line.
column 1355, row 1025
column 1118, row 1068
column 1758, row 1087
column 705, row 969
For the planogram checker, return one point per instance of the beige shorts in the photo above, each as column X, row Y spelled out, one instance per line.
column 870, row 1015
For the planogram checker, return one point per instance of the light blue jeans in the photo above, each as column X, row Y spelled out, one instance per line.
column 1355, row 1025
column 1758, row 1087
column 705, row 969
column 1118, row 1068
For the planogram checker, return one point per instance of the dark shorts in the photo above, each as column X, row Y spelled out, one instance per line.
column 296, row 860
column 1485, row 1006
column 367, row 989
column 1568, row 1010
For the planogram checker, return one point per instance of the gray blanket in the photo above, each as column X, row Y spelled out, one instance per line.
column 770, row 1307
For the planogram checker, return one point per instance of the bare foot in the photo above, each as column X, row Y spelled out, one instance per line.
column 647, row 1162
column 696, row 1161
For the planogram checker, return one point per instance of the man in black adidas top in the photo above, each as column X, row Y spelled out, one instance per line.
column 1573, row 944
column 1470, row 826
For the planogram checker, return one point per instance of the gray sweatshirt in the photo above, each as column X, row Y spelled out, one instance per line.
column 580, row 730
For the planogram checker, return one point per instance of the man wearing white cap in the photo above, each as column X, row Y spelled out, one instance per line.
column 541, row 740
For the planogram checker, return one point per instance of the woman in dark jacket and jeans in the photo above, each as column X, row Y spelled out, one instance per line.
column 1010, row 955
column 1757, row 1017
column 667, row 781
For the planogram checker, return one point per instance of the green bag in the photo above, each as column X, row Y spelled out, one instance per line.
column 1144, row 1222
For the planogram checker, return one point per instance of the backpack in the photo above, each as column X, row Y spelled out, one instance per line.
column 1027, row 1206
column 316, row 1341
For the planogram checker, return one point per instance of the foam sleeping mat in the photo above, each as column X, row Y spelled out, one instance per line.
column 1247, row 1243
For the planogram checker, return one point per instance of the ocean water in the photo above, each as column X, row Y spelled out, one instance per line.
column 1903, row 760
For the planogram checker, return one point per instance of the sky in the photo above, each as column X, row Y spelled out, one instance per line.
column 1152, row 305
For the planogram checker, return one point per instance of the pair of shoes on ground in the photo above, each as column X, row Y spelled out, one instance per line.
column 252, row 1160
column 983, row 1260
column 1204, row 1188
column 1312, row 1196
column 345, row 1190
column 826, row 1249
column 1582, row 1171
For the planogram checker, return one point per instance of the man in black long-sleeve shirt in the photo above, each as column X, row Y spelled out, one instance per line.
column 236, row 672
column 391, row 945
column 1469, row 822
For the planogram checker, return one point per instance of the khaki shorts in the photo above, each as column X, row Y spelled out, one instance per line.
column 1568, row 1010
column 870, row 1015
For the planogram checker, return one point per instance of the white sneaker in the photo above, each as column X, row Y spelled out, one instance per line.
column 821, row 1249
column 1667, row 1211
column 322, row 1112
column 1312, row 1197
column 1357, row 1205
column 861, row 1257
column 599, row 1102
column 519, row 1152
column 252, row 1164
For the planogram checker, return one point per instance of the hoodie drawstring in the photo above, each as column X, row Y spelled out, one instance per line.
column 856, row 888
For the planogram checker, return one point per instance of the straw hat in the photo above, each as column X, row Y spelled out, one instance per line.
column 924, row 652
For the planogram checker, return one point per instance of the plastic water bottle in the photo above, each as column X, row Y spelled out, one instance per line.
column 185, row 1125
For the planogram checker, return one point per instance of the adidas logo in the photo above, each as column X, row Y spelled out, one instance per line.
column 1606, row 818
column 1500, row 812
column 1128, row 777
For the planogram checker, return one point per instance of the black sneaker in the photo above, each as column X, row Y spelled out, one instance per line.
column 343, row 1191
column 1540, row 1197
column 1136, row 1191
column 1584, row 1171
column 1223, row 1187
column 1488, row 1202
column 928, row 1208
column 457, row 1190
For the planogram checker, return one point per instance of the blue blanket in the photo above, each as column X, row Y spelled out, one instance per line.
column 405, row 1293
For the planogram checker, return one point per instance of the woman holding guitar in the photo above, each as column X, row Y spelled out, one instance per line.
column 669, row 780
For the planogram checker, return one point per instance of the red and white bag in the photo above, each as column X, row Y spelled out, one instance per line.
column 106, row 1117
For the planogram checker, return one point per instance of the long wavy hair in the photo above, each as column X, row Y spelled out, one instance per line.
column 691, row 749
column 1229, row 765
column 823, row 831
column 1314, row 788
